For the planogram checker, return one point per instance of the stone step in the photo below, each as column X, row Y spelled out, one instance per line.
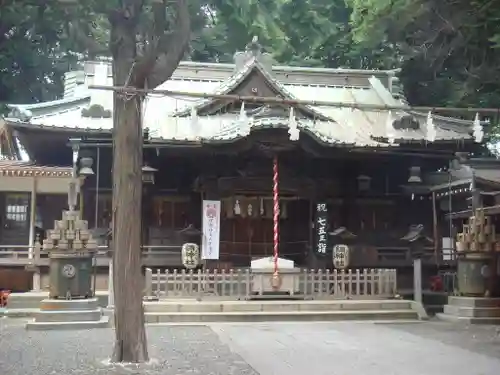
column 20, row 312
column 261, row 316
column 271, row 306
column 31, row 300
column 65, row 305
column 473, row 301
column 472, row 312
column 68, row 316
column 467, row 320
column 52, row 326
column 27, row 300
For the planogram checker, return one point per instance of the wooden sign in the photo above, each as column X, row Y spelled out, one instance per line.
column 321, row 228
column 341, row 256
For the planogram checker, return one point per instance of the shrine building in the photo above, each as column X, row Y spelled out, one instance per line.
column 373, row 170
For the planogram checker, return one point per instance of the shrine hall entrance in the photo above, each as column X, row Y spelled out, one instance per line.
column 247, row 230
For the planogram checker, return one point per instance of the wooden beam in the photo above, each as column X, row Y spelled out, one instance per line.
column 290, row 102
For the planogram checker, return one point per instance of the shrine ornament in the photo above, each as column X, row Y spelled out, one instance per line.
column 341, row 256
column 190, row 255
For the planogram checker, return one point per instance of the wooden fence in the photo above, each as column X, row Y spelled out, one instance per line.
column 239, row 284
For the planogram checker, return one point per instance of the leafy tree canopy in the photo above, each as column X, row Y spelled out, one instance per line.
column 447, row 49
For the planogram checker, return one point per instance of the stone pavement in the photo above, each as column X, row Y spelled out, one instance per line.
column 365, row 348
column 338, row 348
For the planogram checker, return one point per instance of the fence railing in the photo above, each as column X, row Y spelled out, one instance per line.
column 153, row 255
column 241, row 284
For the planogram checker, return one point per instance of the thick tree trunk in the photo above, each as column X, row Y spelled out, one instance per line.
column 131, row 343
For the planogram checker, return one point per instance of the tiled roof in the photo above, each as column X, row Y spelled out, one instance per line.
column 168, row 118
column 17, row 168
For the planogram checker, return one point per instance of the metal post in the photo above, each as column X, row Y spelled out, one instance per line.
column 417, row 279
column 31, row 237
column 98, row 165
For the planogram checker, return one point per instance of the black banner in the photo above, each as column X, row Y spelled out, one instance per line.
column 321, row 228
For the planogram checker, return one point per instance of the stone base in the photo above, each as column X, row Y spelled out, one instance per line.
column 177, row 311
column 472, row 310
column 103, row 322
column 68, row 314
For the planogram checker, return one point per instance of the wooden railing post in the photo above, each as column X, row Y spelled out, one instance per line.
column 148, row 282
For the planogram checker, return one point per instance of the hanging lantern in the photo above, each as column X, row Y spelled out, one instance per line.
column 364, row 183
column 341, row 256
column 237, row 208
column 414, row 175
column 148, row 175
column 190, row 255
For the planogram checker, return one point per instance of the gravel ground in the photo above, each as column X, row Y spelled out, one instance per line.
column 337, row 348
column 174, row 350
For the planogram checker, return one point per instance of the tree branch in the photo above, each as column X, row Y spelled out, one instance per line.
column 166, row 49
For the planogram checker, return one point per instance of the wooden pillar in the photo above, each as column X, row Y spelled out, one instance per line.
column 32, row 237
column 147, row 213
column 435, row 233
column 111, row 290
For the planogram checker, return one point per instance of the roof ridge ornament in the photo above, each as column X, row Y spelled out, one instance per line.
column 253, row 53
column 254, row 46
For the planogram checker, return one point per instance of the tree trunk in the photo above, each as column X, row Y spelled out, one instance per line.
column 131, row 343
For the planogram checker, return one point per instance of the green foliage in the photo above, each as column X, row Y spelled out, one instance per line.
column 447, row 49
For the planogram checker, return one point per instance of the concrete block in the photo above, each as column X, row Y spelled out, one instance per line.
column 242, row 306
column 69, row 316
column 472, row 312
column 52, row 326
column 265, row 316
column 322, row 306
column 396, row 304
column 199, row 307
column 21, row 312
column 473, row 301
column 466, row 320
column 65, row 305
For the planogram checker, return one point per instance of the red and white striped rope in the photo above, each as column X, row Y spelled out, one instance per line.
column 276, row 212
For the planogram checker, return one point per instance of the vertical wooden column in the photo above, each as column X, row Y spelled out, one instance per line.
column 32, row 237
column 435, row 233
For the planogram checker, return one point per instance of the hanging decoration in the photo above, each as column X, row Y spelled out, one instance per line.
column 430, row 128
column 190, row 255
column 477, row 128
column 243, row 114
column 237, row 208
column 321, row 228
column 276, row 213
column 293, row 130
column 250, row 209
column 244, row 123
column 390, row 128
column 194, row 121
column 262, row 207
